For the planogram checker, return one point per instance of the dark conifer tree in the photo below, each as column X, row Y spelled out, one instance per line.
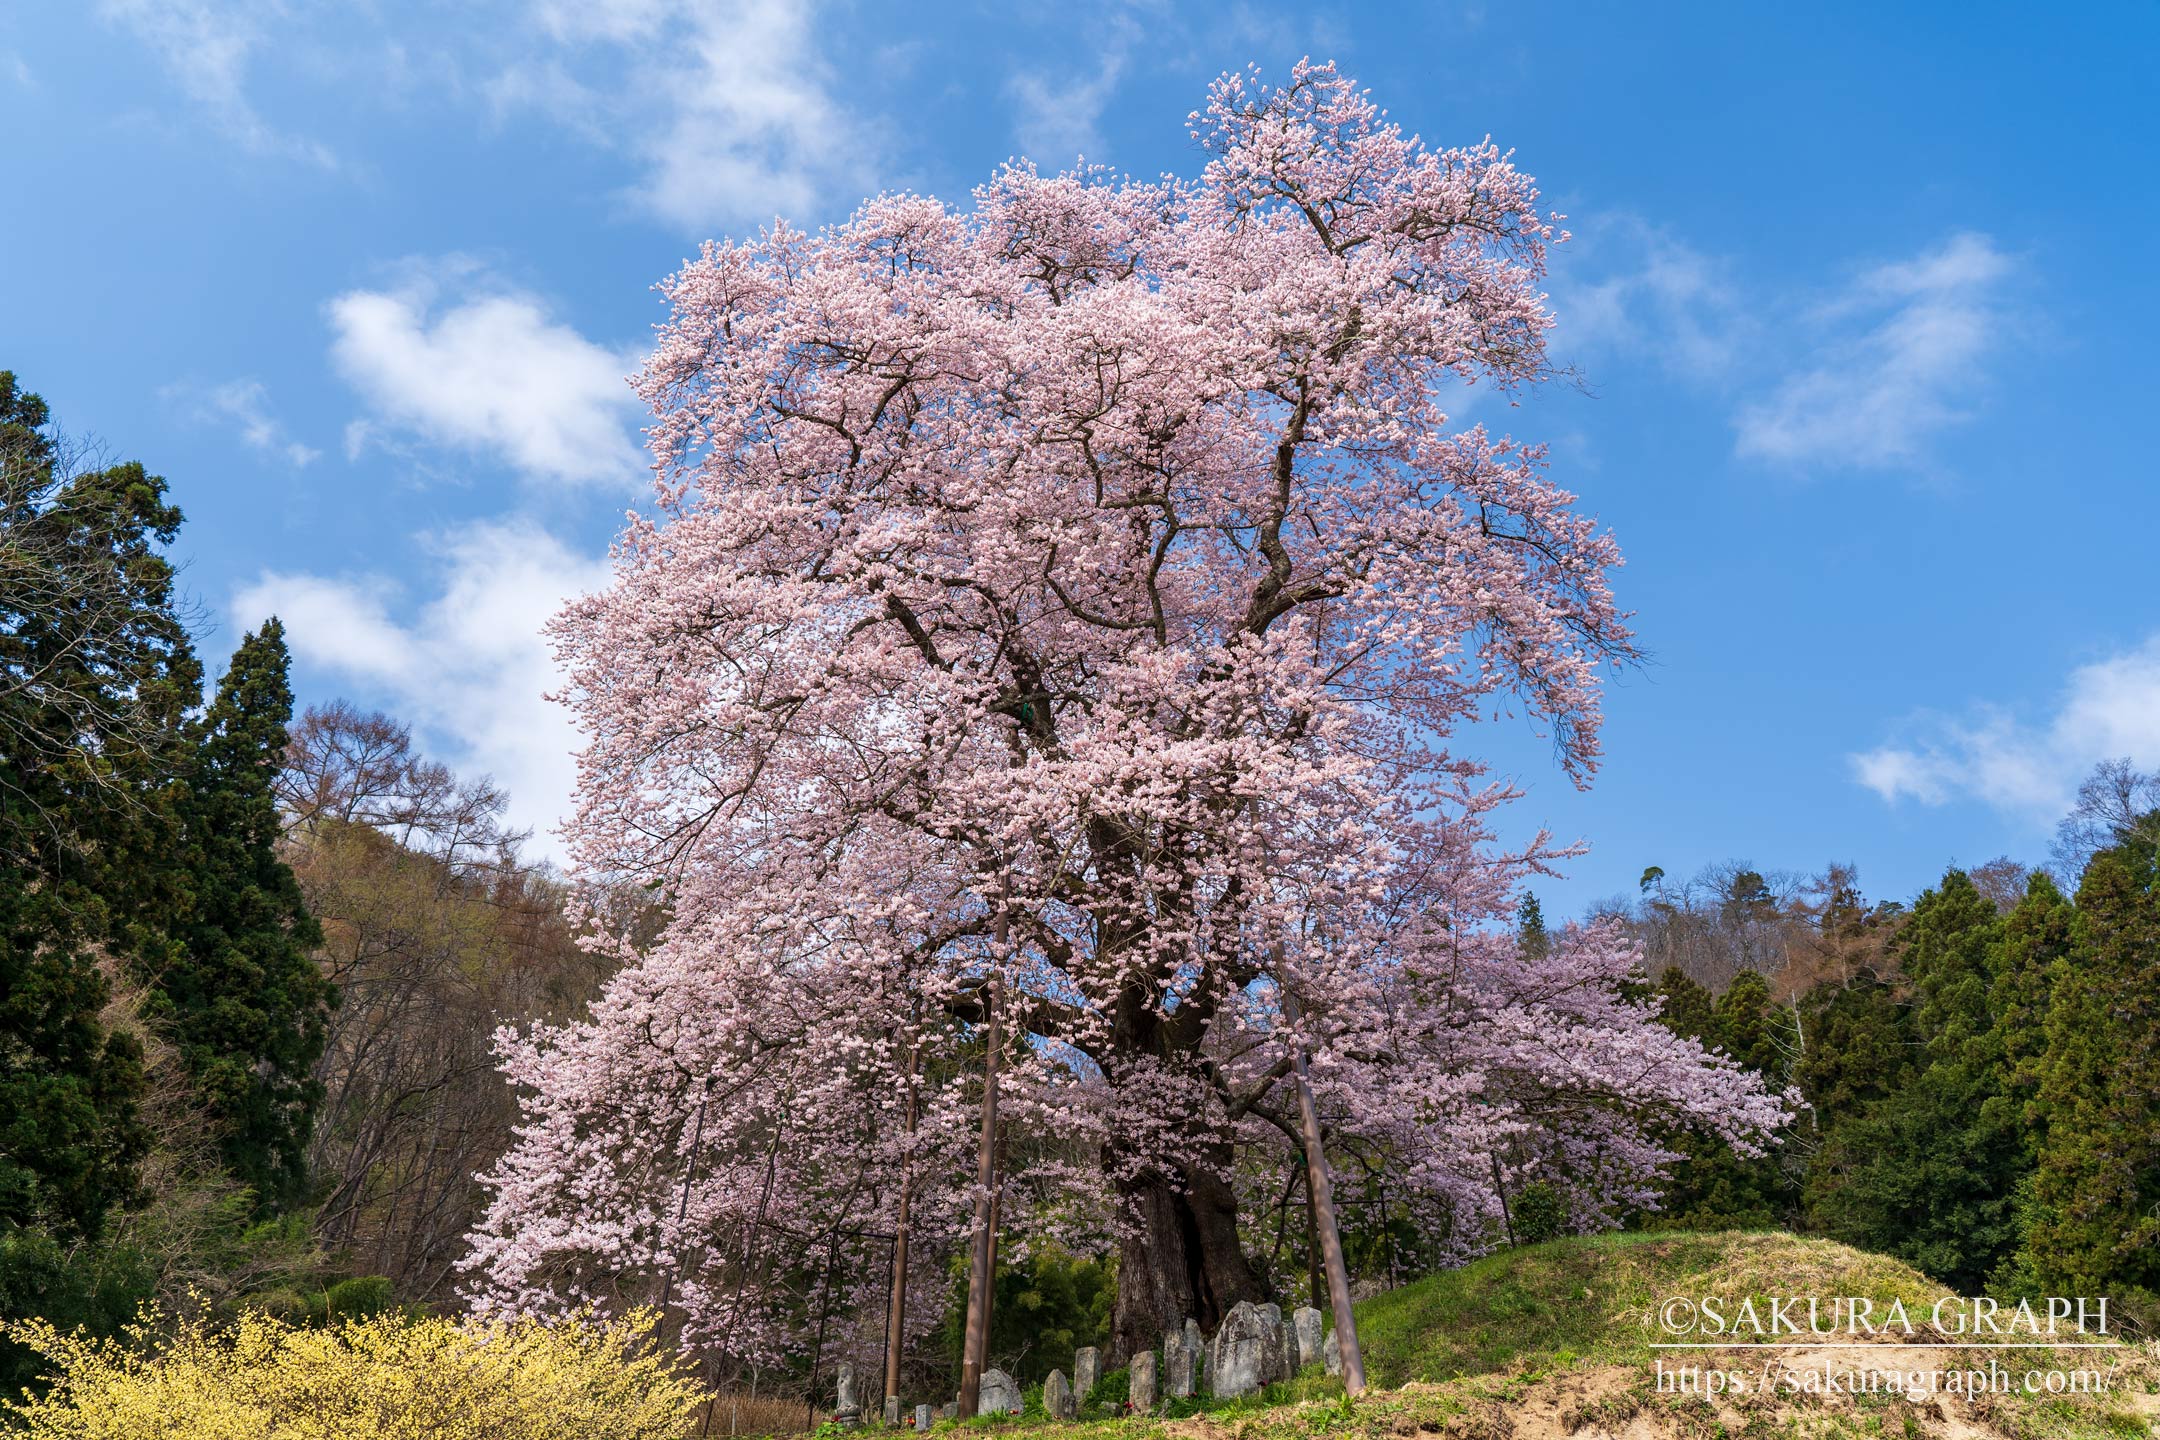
column 2038, row 938
column 1930, row 1173
column 1688, row 1008
column 2097, row 1190
column 1857, row 1048
column 1530, row 932
column 241, row 994
column 1711, row 1186
column 1749, row 1027
column 95, row 675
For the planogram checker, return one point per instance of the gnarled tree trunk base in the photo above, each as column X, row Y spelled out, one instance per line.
column 1180, row 1258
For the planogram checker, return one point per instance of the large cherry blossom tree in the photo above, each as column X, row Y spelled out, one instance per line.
column 1097, row 565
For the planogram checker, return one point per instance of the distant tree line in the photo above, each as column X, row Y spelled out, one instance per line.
column 1981, row 1068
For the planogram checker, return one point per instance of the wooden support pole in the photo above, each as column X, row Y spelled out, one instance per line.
column 896, row 1302
column 976, row 1346
column 1320, row 1185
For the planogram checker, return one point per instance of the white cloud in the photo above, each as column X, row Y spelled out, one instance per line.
column 206, row 45
column 727, row 105
column 1908, row 346
column 1057, row 114
column 1863, row 379
column 1621, row 286
column 1055, row 122
column 245, row 404
column 468, row 667
column 2108, row 709
column 488, row 372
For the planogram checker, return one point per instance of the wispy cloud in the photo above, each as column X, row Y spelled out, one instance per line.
column 458, row 360
column 1056, row 119
column 245, row 405
column 467, row 663
column 1905, row 351
column 727, row 106
column 2026, row 767
column 1863, row 375
column 1624, row 287
column 206, row 45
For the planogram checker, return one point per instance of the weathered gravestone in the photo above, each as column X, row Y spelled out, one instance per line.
column 1177, row 1366
column 1140, row 1381
column 1289, row 1341
column 1247, row 1352
column 847, row 1405
column 1058, row 1397
column 892, row 1411
column 922, row 1417
column 1331, row 1352
column 950, row 1410
column 1195, row 1347
column 1305, row 1337
column 1000, row 1394
column 1087, row 1369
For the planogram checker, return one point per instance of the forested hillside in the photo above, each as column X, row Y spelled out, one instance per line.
column 1974, row 1062
column 250, row 965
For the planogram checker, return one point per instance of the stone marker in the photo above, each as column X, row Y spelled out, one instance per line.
column 1000, row 1394
column 1087, row 1369
column 1177, row 1367
column 847, row 1405
column 1247, row 1352
column 1058, row 1397
column 892, row 1411
column 1305, row 1337
column 1141, row 1382
column 950, row 1410
column 1289, row 1341
column 922, row 1417
column 1331, row 1352
column 1195, row 1347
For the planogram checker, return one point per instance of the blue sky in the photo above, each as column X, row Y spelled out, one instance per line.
column 1862, row 298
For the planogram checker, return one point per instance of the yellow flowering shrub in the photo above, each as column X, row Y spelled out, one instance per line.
column 387, row 1378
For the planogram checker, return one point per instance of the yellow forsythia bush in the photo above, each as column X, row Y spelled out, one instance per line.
column 387, row 1378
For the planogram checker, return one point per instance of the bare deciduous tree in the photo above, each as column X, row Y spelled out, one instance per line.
column 2117, row 803
column 435, row 932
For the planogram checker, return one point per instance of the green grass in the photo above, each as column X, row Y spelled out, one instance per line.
column 1595, row 1298
column 1554, row 1340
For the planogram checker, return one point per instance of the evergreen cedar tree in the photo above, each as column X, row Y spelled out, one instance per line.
column 1714, row 1186
column 239, row 989
column 132, row 830
column 1929, row 1171
column 96, row 674
column 2096, row 1211
column 1100, row 558
column 1982, row 1106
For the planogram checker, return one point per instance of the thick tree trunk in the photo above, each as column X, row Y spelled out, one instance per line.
column 1182, row 1258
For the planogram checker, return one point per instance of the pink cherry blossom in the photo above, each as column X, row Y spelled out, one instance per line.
column 1103, row 553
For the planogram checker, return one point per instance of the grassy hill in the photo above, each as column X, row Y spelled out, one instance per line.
column 1554, row 1342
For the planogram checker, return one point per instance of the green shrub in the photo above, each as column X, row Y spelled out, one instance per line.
column 358, row 1298
column 94, row 1288
column 1539, row 1214
column 1110, row 1393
